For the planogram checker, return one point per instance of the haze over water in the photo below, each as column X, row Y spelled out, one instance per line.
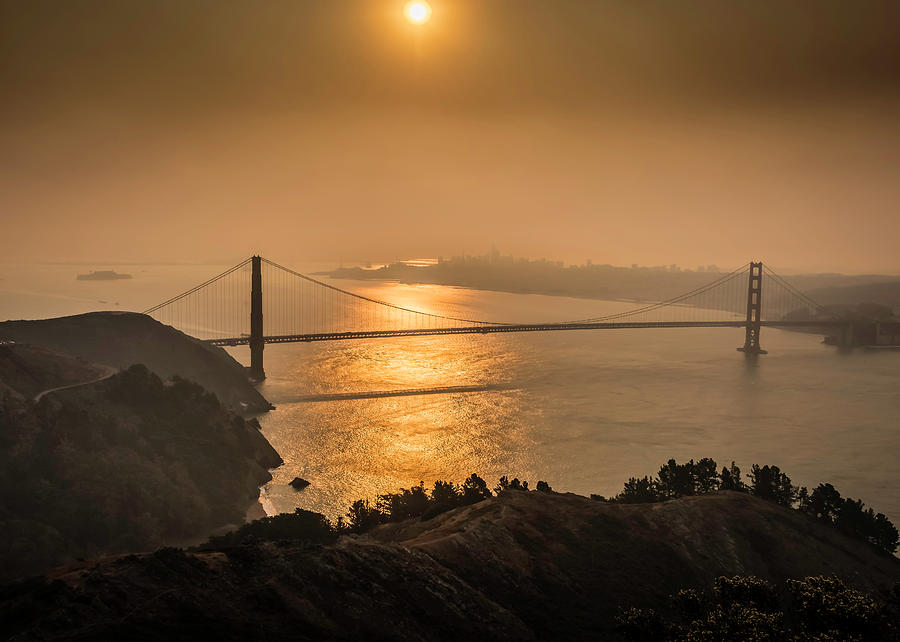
column 582, row 410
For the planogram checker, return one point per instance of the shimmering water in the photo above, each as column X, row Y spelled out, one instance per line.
column 581, row 410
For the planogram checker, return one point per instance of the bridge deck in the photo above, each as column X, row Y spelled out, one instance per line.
column 492, row 329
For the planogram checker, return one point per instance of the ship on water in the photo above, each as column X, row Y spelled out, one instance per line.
column 102, row 275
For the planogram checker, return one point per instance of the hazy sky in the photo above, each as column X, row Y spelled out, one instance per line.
column 624, row 131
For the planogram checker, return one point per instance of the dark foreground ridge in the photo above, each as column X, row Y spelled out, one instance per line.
column 519, row 566
column 123, row 462
column 121, row 339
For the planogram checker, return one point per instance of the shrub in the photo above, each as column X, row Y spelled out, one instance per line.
column 748, row 608
column 302, row 525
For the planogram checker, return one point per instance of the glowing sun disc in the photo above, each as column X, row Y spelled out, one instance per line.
column 417, row 12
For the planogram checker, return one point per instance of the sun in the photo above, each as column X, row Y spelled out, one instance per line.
column 417, row 13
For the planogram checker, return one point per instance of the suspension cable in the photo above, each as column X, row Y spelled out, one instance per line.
column 371, row 300
column 803, row 297
column 198, row 287
column 720, row 281
column 649, row 308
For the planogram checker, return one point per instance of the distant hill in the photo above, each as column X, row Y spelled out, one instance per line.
column 520, row 566
column 506, row 274
column 886, row 293
column 121, row 339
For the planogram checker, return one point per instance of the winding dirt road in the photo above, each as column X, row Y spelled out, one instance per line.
column 110, row 371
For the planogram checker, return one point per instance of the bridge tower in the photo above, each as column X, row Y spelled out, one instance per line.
column 754, row 311
column 257, row 340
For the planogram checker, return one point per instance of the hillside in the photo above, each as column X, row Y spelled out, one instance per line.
column 127, row 463
column 883, row 293
column 27, row 370
column 523, row 565
column 122, row 339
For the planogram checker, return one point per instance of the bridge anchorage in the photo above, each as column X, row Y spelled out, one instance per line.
column 299, row 308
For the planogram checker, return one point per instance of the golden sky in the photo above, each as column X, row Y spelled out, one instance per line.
column 624, row 131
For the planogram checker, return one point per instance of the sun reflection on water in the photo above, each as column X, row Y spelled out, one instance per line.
column 582, row 410
column 360, row 448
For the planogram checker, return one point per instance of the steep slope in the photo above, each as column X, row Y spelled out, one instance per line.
column 121, row 339
column 26, row 370
column 524, row 565
column 553, row 559
column 124, row 464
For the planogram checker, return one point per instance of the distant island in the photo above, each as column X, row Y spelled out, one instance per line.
column 102, row 275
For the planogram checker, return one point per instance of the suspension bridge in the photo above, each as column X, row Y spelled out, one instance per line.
column 230, row 309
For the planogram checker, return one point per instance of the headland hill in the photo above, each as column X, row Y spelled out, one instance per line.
column 118, row 396
column 119, row 434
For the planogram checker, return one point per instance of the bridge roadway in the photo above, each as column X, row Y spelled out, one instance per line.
column 535, row 327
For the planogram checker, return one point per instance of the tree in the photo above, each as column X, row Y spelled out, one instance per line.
column 730, row 479
column 705, row 479
column 639, row 491
column 676, row 480
column 770, row 483
column 850, row 516
column 445, row 493
column 409, row 502
column 474, row 489
column 362, row 517
column 544, row 487
column 884, row 534
column 506, row 484
column 824, row 503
